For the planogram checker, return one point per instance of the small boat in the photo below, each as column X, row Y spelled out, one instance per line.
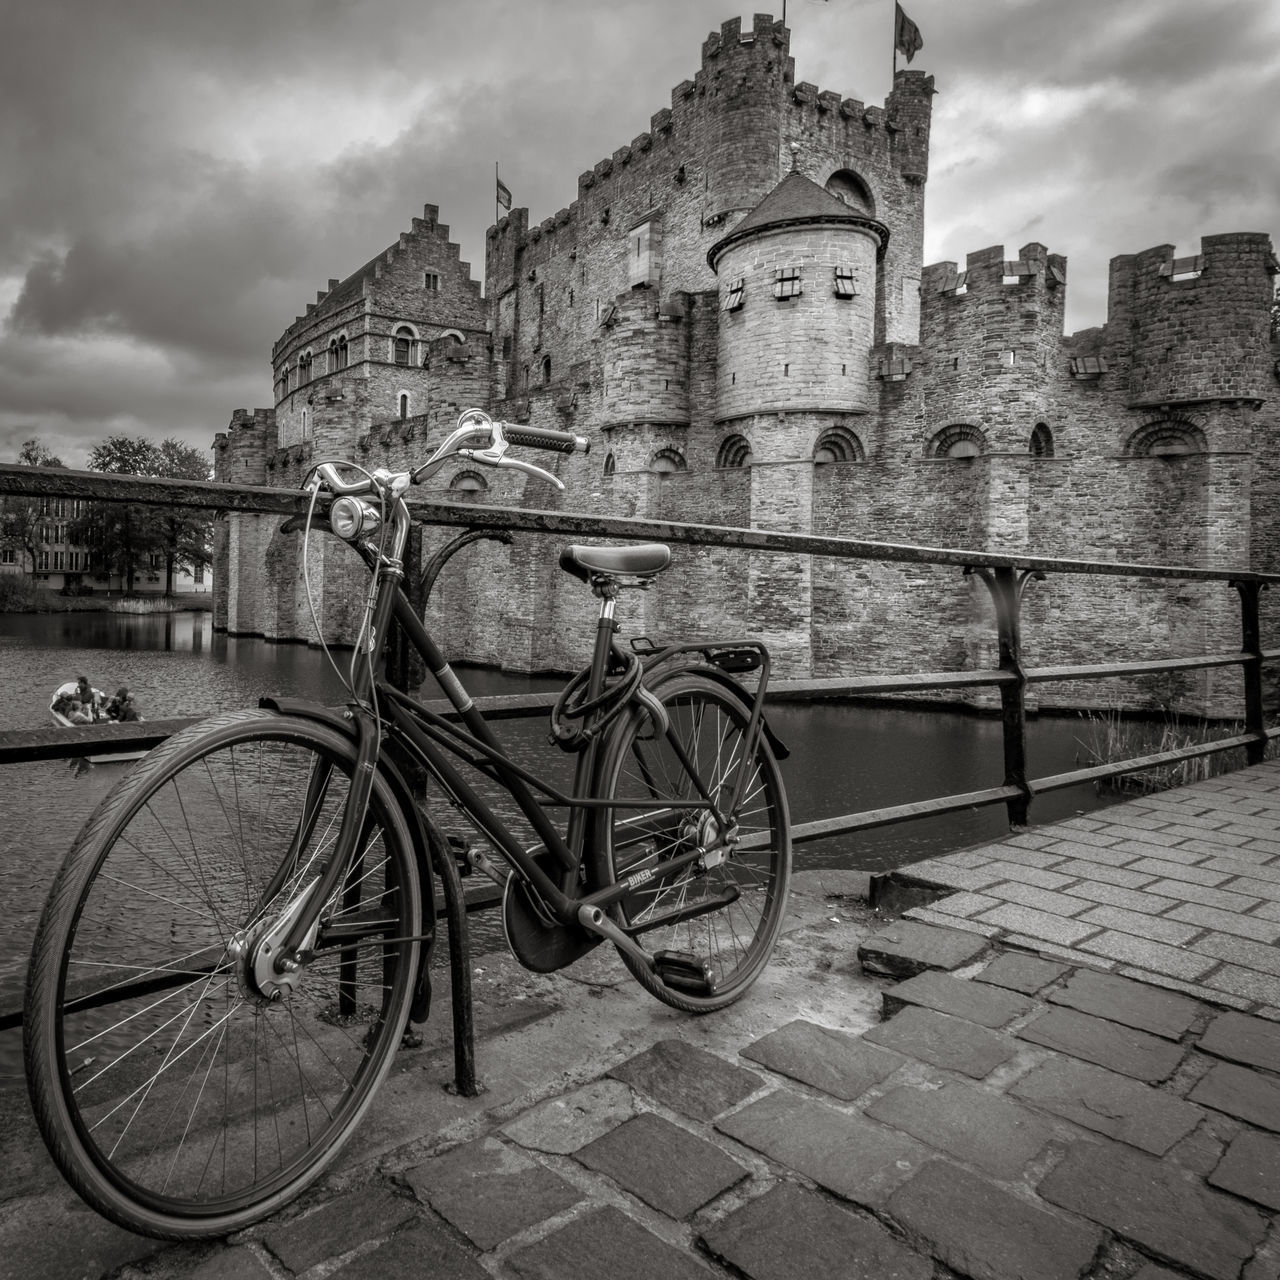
column 68, row 690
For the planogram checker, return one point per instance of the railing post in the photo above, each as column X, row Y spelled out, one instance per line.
column 1006, row 586
column 1251, row 645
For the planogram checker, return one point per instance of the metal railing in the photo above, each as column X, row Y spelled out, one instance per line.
column 1005, row 577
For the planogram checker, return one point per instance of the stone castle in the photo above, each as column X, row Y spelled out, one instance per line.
column 733, row 310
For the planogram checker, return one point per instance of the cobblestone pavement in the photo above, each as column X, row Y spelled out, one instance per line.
column 1179, row 889
column 894, row 1100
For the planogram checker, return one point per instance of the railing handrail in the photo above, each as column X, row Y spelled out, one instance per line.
column 55, row 482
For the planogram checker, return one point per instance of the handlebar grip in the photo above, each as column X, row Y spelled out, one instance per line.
column 545, row 438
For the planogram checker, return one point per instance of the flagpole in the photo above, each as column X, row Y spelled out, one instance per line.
column 894, row 81
column 497, row 217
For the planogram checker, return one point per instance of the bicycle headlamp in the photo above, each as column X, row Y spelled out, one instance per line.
column 350, row 518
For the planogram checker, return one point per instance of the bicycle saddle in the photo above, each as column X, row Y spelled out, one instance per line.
column 643, row 561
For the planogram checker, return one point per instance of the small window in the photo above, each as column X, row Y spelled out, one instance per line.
column 197, row 575
column 304, row 367
column 506, row 347
column 786, row 282
column 546, row 371
column 333, row 355
column 734, row 452
column 403, row 345
column 1042, row 441
column 667, row 461
column 960, row 442
column 610, row 466
column 468, row 482
column 344, row 351
column 431, row 281
column 404, row 406
column 844, row 286
column 837, row 444
column 733, row 295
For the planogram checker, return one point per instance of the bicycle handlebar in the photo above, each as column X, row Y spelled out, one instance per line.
column 544, row 438
column 477, row 437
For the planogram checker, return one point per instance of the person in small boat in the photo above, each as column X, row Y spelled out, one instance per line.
column 77, row 714
column 122, row 707
column 88, row 698
column 62, row 704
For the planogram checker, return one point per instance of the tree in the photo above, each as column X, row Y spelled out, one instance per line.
column 186, row 536
column 22, row 520
column 120, row 535
column 125, row 536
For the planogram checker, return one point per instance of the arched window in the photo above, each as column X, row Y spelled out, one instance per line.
column 344, row 353
column 610, row 466
column 848, row 186
column 546, row 371
column 1041, row 441
column 404, row 345
column 1168, row 438
column 304, row 367
column 468, row 484
column 667, row 461
column 838, row 444
column 333, row 355
column 404, row 405
column 960, row 441
column 734, row 452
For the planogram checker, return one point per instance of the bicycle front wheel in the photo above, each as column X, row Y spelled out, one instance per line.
column 724, row 912
column 184, row 1087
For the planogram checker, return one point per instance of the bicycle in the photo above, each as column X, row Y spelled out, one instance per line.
column 239, row 936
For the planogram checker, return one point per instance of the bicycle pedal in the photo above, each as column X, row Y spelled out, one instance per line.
column 683, row 972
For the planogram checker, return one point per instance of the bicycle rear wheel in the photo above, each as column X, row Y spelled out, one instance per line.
column 183, row 1087
column 726, row 916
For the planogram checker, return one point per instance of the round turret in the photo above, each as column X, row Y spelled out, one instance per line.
column 797, row 304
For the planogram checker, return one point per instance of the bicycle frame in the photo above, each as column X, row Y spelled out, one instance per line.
column 430, row 738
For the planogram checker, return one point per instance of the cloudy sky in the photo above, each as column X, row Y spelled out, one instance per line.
column 179, row 177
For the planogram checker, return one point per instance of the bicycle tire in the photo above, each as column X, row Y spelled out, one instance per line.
column 204, row 1105
column 733, row 940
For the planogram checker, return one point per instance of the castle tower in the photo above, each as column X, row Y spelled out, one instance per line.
column 743, row 87
column 798, row 287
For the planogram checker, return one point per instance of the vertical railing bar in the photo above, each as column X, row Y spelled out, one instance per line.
column 1251, row 669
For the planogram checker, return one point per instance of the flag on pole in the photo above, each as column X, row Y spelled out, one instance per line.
column 906, row 35
column 503, row 194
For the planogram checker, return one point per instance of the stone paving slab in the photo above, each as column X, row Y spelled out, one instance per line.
column 988, row 1006
column 1122, row 1049
column 981, row 1230
column 490, row 1192
column 1108, row 1103
column 669, row 1168
column 1121, row 1000
column 789, row 1232
column 981, row 1128
column 836, row 1062
column 1157, row 1207
column 857, row 1160
column 944, row 1041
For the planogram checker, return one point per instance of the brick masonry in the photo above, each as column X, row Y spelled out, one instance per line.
column 913, row 406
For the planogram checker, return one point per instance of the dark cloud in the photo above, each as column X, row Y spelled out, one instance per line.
column 179, row 178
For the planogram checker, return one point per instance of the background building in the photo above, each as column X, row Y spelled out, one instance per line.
column 733, row 308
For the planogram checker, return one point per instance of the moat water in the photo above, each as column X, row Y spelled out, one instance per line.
column 844, row 756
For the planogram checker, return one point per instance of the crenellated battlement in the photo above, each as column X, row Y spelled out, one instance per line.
column 727, row 131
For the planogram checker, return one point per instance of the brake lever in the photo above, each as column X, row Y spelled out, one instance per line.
column 496, row 458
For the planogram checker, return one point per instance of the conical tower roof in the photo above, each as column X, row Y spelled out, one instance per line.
column 797, row 201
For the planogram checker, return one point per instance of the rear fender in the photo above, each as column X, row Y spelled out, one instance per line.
column 675, row 663
column 337, row 720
